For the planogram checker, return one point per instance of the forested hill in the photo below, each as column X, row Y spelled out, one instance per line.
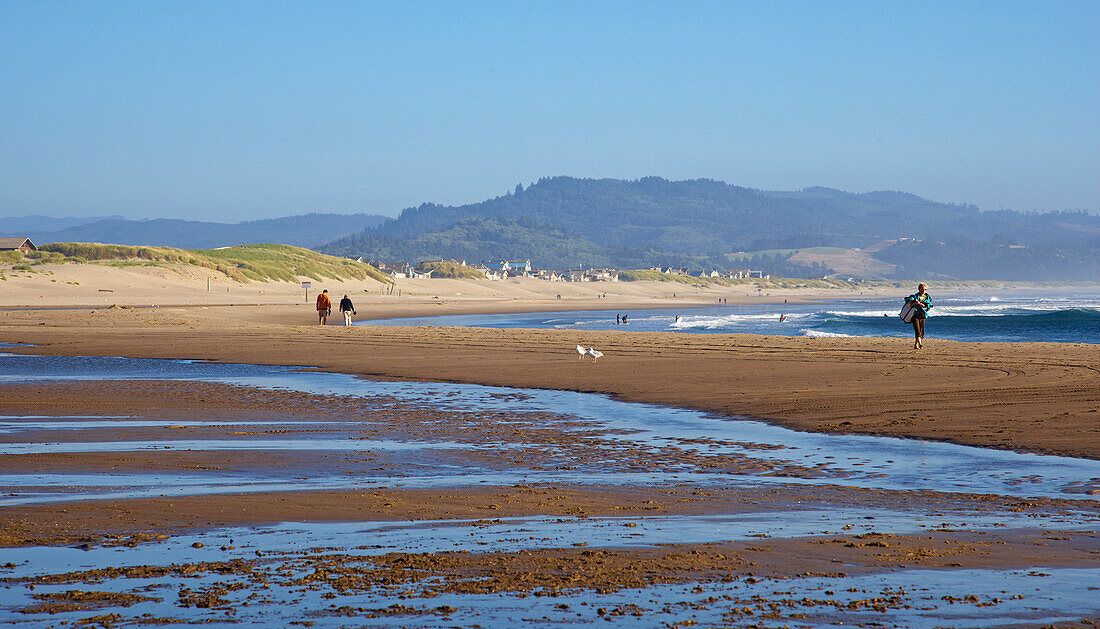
column 697, row 217
column 696, row 222
column 306, row 230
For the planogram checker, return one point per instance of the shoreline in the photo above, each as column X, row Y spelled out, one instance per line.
column 1003, row 395
column 557, row 505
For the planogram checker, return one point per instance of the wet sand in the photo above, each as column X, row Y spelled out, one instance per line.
column 1036, row 397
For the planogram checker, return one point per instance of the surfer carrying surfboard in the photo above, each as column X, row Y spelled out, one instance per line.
column 917, row 305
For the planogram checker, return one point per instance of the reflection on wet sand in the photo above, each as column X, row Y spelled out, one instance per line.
column 613, row 510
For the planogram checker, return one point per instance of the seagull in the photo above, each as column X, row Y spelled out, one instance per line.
column 594, row 353
column 581, row 351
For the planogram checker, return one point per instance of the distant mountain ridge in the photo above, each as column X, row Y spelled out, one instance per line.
column 37, row 224
column 563, row 222
column 305, row 230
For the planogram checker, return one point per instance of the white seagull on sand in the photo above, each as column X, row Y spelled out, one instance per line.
column 594, row 353
column 580, row 350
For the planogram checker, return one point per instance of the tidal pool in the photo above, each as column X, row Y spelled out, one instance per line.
column 860, row 461
column 267, row 575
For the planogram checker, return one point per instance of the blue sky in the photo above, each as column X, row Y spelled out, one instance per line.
column 239, row 110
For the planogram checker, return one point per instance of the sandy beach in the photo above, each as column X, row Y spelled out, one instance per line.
column 1039, row 397
column 1015, row 397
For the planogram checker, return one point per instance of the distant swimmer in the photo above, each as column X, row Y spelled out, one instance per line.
column 624, row 319
column 782, row 318
column 677, row 319
column 618, row 319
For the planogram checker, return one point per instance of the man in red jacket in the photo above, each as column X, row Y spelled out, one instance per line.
column 324, row 307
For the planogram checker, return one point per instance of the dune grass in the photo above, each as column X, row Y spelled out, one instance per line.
column 245, row 263
column 452, row 270
column 638, row 275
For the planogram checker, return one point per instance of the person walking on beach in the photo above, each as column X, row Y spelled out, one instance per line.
column 923, row 303
column 347, row 309
column 324, row 307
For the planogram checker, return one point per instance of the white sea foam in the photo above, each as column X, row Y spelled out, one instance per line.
column 821, row 334
column 733, row 320
column 986, row 309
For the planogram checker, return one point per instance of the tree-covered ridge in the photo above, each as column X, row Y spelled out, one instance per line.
column 699, row 217
column 563, row 222
column 477, row 239
column 970, row 259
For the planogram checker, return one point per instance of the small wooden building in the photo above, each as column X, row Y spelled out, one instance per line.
column 17, row 244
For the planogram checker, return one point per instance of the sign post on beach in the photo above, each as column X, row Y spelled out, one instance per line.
column 306, row 286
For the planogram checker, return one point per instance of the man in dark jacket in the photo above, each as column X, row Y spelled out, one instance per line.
column 347, row 309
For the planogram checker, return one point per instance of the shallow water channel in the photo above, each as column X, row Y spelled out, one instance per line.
column 765, row 453
column 622, row 444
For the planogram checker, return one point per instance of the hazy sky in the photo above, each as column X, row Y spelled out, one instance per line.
column 236, row 110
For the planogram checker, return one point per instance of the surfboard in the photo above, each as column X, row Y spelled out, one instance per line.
column 908, row 311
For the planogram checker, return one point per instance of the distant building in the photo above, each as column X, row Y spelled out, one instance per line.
column 744, row 274
column 602, row 275
column 17, row 244
column 398, row 270
column 490, row 274
column 511, row 267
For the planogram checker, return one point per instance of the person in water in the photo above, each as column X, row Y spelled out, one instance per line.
column 923, row 303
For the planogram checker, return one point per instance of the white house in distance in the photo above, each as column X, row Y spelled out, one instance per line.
column 511, row 267
column 491, row 274
column 603, row 275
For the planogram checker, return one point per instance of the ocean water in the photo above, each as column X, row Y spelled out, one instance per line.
column 1052, row 318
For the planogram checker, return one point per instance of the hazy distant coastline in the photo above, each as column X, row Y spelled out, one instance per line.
column 567, row 223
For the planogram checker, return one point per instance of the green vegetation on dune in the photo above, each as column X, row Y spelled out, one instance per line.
column 644, row 275
column 451, row 270
column 286, row 263
column 641, row 275
column 244, row 263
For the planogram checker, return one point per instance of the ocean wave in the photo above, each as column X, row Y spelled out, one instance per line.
column 733, row 320
column 823, row 334
column 1002, row 309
